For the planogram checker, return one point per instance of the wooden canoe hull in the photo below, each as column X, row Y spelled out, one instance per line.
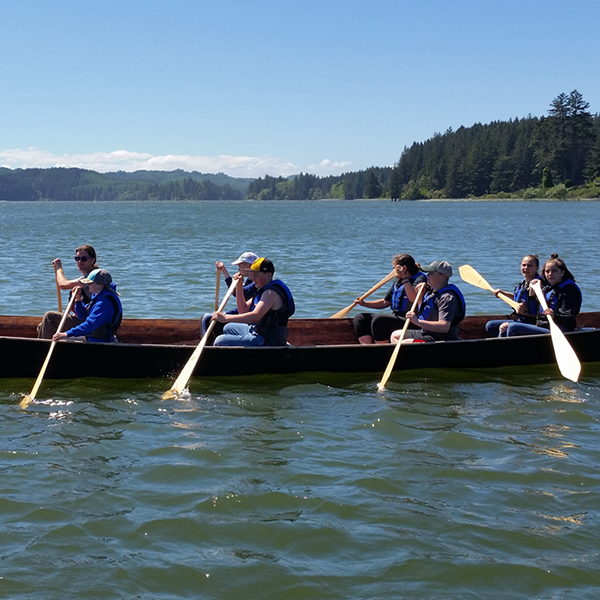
column 23, row 355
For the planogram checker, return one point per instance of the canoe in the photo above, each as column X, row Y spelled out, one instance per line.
column 160, row 348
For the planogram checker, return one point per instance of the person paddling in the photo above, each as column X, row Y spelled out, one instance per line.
column 262, row 320
column 86, row 261
column 243, row 263
column 100, row 318
column 442, row 309
column 528, row 304
column 563, row 297
column 373, row 328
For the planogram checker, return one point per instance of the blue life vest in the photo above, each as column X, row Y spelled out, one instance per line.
column 107, row 331
column 429, row 302
column 400, row 303
column 273, row 326
column 531, row 302
column 551, row 298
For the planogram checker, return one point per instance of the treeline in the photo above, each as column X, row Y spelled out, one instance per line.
column 371, row 183
column 61, row 184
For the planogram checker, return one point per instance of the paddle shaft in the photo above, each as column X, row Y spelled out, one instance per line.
column 470, row 275
column 390, row 367
column 187, row 371
column 566, row 359
column 342, row 313
column 217, row 289
column 36, row 386
column 58, row 290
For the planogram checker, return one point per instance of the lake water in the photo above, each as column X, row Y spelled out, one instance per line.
column 451, row 484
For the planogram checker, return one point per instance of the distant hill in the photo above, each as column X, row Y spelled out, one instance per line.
column 62, row 184
column 238, row 183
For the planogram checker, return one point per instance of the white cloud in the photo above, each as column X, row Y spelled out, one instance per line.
column 124, row 160
column 328, row 167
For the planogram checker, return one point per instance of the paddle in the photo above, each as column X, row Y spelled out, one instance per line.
column 58, row 289
column 568, row 363
column 388, row 371
column 470, row 275
column 28, row 399
column 344, row 312
column 217, row 289
column 183, row 378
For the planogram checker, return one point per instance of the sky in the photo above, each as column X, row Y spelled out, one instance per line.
column 277, row 87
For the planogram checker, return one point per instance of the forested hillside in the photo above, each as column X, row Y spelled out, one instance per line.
column 80, row 184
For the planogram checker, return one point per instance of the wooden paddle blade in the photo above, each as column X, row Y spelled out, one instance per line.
column 390, row 367
column 28, row 399
column 566, row 359
column 187, row 371
column 344, row 312
column 470, row 275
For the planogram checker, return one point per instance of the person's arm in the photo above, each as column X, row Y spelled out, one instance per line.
column 243, row 306
column 377, row 304
column 78, row 306
column 267, row 301
column 249, row 290
column 439, row 326
column 409, row 286
column 63, row 282
column 221, row 266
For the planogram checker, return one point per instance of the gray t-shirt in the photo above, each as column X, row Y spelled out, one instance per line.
column 446, row 307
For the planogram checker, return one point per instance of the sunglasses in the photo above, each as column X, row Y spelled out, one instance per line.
column 82, row 258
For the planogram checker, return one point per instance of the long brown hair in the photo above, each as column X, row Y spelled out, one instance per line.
column 90, row 251
column 408, row 261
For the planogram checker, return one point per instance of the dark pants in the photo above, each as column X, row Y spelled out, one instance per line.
column 379, row 326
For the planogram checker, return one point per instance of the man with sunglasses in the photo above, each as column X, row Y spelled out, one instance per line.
column 85, row 259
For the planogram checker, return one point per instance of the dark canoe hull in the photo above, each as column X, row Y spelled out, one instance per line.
column 23, row 356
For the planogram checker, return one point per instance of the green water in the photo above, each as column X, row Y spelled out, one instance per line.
column 451, row 484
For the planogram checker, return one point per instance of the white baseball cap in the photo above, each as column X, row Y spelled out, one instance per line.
column 246, row 257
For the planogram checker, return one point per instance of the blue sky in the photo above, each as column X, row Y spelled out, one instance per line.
column 255, row 87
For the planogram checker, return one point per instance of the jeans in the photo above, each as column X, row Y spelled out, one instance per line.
column 516, row 328
column 239, row 334
column 493, row 327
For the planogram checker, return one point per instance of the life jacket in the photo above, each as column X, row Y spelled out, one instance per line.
column 400, row 303
column 531, row 302
column 108, row 331
column 273, row 326
column 551, row 296
column 429, row 303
